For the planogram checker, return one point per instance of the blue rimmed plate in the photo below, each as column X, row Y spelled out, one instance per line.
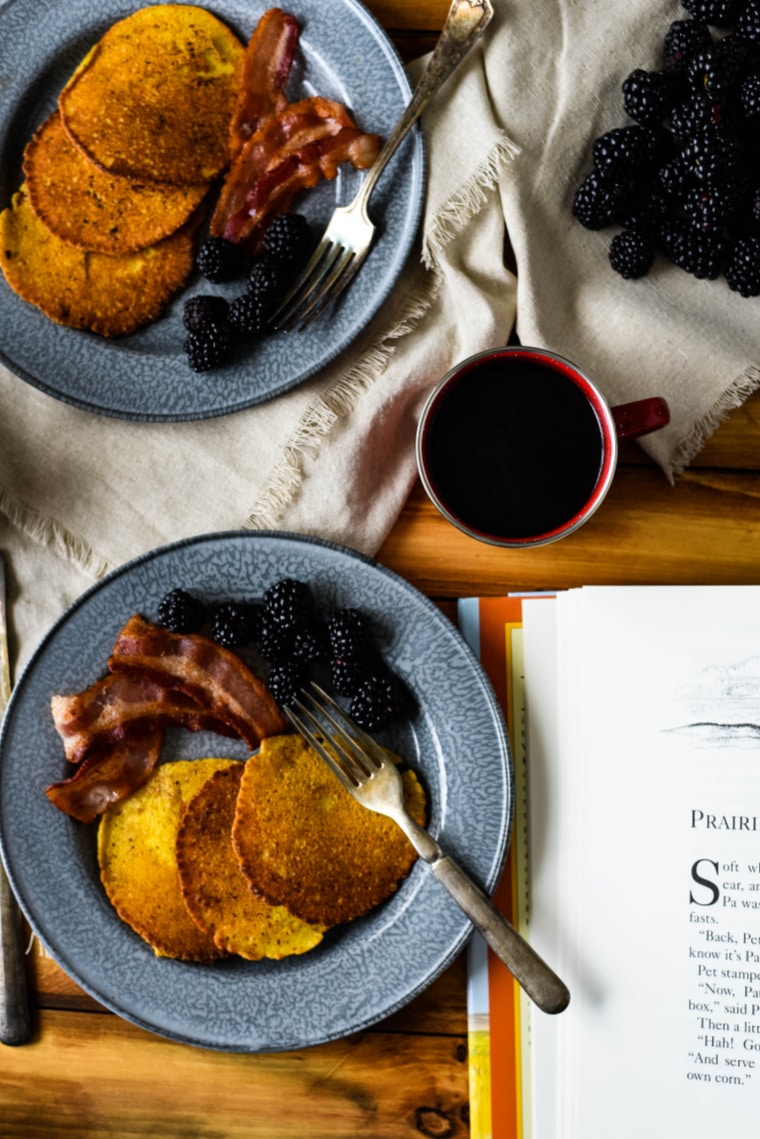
column 343, row 54
column 363, row 971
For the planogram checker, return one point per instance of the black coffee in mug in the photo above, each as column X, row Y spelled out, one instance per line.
column 517, row 447
column 514, row 450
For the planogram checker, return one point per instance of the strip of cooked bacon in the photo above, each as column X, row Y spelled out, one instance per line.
column 266, row 67
column 114, row 707
column 110, row 774
column 274, row 191
column 290, row 129
column 212, row 675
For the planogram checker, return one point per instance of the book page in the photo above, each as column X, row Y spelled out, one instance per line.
column 499, row 1067
column 544, row 822
column 655, row 788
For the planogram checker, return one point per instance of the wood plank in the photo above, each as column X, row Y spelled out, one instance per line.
column 735, row 444
column 86, row 1074
column 704, row 529
column 411, row 45
column 423, row 15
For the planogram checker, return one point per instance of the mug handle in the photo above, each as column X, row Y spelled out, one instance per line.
column 640, row 417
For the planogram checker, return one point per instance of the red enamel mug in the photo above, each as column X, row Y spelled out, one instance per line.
column 517, row 446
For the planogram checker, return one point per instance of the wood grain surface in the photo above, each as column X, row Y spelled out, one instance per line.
column 89, row 1074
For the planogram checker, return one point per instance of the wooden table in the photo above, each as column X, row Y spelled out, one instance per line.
column 88, row 1073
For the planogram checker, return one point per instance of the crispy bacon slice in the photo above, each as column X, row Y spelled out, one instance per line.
column 266, row 67
column 211, row 675
column 274, row 191
column 117, row 706
column 290, row 129
column 110, row 774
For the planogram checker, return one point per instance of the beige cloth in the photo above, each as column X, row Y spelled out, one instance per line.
column 509, row 138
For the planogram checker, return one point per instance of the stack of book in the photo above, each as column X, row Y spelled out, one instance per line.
column 634, row 716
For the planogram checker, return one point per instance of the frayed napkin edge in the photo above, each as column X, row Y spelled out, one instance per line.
column 49, row 533
column 733, row 397
column 451, row 218
column 334, row 404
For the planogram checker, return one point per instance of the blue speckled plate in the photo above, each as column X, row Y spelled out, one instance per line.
column 343, row 54
column 362, row 971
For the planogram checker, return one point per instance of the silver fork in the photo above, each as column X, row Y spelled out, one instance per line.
column 348, row 237
column 364, row 769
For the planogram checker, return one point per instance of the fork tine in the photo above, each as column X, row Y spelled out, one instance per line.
column 348, row 755
column 357, row 733
column 329, row 758
column 314, row 300
column 338, row 287
column 362, row 762
column 313, row 272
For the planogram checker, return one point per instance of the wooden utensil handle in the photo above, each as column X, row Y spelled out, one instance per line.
column 15, row 1021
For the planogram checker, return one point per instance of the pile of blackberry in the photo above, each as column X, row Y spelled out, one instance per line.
column 299, row 643
column 682, row 179
column 216, row 326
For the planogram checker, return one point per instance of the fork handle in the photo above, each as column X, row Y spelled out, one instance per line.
column 541, row 984
column 15, row 1022
column 465, row 23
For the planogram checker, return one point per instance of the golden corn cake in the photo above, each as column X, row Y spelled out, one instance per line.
column 85, row 206
column 215, row 891
column 305, row 843
column 138, row 867
column 112, row 296
column 154, row 97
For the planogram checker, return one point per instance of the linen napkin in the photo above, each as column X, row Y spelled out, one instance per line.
column 509, row 140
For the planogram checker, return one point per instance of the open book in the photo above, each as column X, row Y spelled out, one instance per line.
column 642, row 710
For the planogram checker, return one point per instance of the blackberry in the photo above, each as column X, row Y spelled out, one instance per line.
column 700, row 112
column 717, row 13
column 287, row 681
column 288, row 602
column 748, row 23
column 232, row 625
column 180, row 612
column 378, row 701
column 743, row 268
column 683, row 39
column 710, row 155
column 749, row 97
column 632, row 254
column 347, row 674
column 248, row 317
column 202, row 310
column 673, row 180
column 274, row 641
column 289, row 240
column 349, row 635
column 718, row 69
column 754, row 207
column 697, row 253
column 624, row 150
column 268, row 281
column 208, row 347
column 310, row 643
column 710, row 208
column 645, row 211
column 221, row 260
column 598, row 200
column 648, row 95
